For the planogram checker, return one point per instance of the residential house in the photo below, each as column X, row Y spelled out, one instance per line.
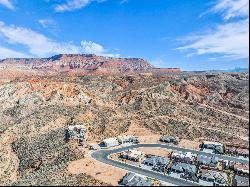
column 111, row 142
column 131, row 179
column 128, row 139
column 227, row 164
column 183, row 168
column 186, row 157
column 215, row 177
column 240, row 181
column 240, row 168
column 75, row 132
column 243, row 152
column 94, row 146
column 170, row 139
column 208, row 161
column 158, row 163
column 133, row 155
column 212, row 147
column 238, row 151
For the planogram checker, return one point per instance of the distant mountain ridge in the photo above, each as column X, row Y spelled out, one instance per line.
column 238, row 70
column 234, row 70
column 85, row 63
column 73, row 62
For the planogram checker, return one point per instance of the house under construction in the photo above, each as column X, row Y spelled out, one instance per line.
column 77, row 133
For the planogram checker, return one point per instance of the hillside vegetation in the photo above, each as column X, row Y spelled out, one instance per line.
column 35, row 111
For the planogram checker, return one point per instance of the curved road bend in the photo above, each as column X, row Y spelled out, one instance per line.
column 102, row 156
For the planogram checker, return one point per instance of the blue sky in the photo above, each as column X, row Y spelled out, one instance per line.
column 190, row 34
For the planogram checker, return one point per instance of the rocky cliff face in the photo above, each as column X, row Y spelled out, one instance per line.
column 34, row 111
column 78, row 64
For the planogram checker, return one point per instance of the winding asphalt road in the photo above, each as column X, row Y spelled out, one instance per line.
column 103, row 156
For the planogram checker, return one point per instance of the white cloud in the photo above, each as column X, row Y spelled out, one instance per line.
column 37, row 44
column 229, row 40
column 124, row 1
column 8, row 53
column 94, row 48
column 7, row 3
column 71, row 5
column 47, row 23
column 91, row 47
column 232, row 8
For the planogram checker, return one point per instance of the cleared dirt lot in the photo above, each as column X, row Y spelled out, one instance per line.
column 156, row 151
column 190, row 144
column 145, row 135
column 100, row 171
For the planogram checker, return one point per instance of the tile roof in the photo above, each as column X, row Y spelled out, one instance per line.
column 241, row 180
column 218, row 177
column 184, row 168
column 205, row 160
column 132, row 179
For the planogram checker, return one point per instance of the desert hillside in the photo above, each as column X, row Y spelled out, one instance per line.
column 35, row 111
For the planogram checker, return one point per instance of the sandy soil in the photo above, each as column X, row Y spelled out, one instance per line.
column 85, row 117
column 155, row 151
column 190, row 144
column 145, row 135
column 99, row 171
